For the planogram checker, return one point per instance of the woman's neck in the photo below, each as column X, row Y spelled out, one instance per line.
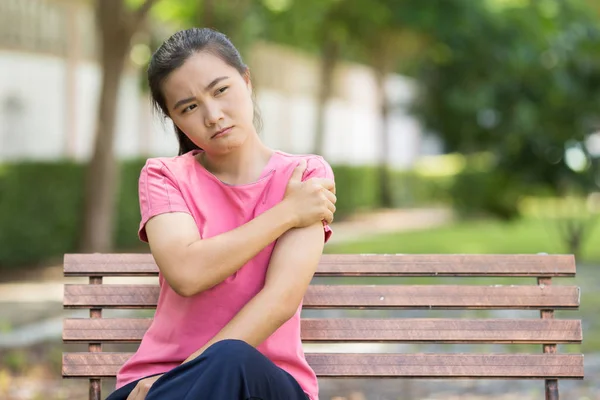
column 240, row 166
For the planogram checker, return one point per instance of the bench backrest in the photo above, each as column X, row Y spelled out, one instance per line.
column 353, row 293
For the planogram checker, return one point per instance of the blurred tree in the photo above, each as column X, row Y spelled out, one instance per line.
column 359, row 30
column 391, row 39
column 380, row 38
column 389, row 35
column 117, row 23
column 318, row 27
column 332, row 34
column 240, row 20
column 520, row 79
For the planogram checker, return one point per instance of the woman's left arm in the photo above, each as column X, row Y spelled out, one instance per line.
column 293, row 263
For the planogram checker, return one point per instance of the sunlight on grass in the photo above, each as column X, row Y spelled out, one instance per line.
column 568, row 207
column 452, row 164
column 526, row 236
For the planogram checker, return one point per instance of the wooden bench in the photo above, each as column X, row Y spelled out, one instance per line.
column 546, row 330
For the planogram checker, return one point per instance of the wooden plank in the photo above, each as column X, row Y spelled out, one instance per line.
column 358, row 265
column 358, row 296
column 464, row 366
column 426, row 330
column 448, row 365
column 120, row 330
column 406, row 330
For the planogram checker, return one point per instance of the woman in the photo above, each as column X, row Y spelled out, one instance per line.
column 237, row 230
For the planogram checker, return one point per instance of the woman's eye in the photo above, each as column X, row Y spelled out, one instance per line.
column 189, row 108
column 222, row 90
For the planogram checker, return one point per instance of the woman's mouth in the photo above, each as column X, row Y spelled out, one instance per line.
column 221, row 132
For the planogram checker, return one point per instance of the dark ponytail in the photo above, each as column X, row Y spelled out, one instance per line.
column 185, row 144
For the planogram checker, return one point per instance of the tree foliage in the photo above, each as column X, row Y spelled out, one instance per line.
column 520, row 79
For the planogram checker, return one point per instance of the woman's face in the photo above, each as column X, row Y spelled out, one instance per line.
column 210, row 102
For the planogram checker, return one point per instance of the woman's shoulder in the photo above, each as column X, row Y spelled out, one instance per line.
column 315, row 164
column 289, row 158
column 168, row 166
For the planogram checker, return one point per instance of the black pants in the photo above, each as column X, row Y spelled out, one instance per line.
column 227, row 370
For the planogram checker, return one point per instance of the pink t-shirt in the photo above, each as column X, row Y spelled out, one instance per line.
column 182, row 325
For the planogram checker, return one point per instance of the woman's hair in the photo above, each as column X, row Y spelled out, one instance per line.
column 173, row 53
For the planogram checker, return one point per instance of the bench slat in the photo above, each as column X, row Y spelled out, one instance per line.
column 519, row 366
column 417, row 330
column 357, row 265
column 352, row 296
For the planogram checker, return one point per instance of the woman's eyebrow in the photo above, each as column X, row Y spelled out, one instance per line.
column 183, row 101
column 190, row 99
column 214, row 82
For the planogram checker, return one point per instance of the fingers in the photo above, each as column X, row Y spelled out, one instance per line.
column 140, row 390
column 133, row 395
column 331, row 206
column 328, row 217
column 329, row 199
column 325, row 183
column 298, row 171
column 330, row 196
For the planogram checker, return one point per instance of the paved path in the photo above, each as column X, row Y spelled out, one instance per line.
column 387, row 221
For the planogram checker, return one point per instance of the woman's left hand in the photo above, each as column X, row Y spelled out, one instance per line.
column 142, row 388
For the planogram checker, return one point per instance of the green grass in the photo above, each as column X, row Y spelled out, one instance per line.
column 526, row 236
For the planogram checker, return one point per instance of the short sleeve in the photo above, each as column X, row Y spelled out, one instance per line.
column 158, row 194
column 317, row 167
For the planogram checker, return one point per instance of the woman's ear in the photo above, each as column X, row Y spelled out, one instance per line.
column 248, row 80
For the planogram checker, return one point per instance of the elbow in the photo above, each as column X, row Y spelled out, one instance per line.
column 184, row 272
column 180, row 286
column 188, row 287
column 183, row 290
column 185, row 285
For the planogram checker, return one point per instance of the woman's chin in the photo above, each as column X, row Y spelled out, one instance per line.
column 226, row 146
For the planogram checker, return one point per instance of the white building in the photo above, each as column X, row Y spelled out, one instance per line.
column 49, row 87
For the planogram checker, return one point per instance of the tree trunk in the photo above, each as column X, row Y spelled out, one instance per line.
column 207, row 18
column 116, row 27
column 574, row 231
column 384, row 166
column 329, row 56
column 101, row 178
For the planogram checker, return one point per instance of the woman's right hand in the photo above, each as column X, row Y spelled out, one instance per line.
column 142, row 388
column 310, row 201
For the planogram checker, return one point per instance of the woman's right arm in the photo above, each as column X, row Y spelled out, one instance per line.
column 191, row 264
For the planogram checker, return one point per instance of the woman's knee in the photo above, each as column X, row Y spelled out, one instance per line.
column 233, row 352
column 228, row 346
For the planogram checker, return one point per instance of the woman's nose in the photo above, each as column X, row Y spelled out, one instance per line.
column 213, row 114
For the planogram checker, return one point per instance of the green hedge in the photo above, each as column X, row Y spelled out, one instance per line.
column 487, row 193
column 411, row 189
column 41, row 205
column 357, row 189
column 128, row 208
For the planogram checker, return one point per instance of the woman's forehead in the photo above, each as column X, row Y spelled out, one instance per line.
column 201, row 67
column 196, row 74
